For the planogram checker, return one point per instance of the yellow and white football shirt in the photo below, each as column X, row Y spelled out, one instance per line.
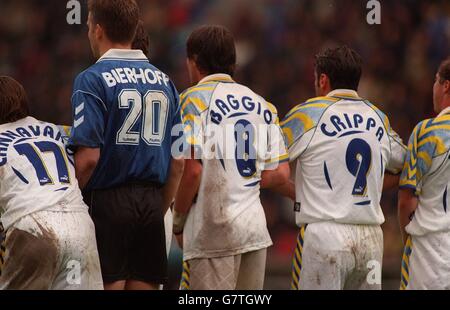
column 427, row 173
column 342, row 145
column 237, row 136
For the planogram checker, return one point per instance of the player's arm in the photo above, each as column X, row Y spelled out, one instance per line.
column 192, row 174
column 297, row 135
column 396, row 162
column 277, row 172
column 390, row 181
column 278, row 177
column 188, row 189
column 407, row 205
column 287, row 188
column 178, row 159
column 173, row 182
column 86, row 160
column 415, row 167
column 86, row 137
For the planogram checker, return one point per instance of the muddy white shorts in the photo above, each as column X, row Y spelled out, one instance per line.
column 331, row 256
column 426, row 262
column 238, row 272
column 51, row 250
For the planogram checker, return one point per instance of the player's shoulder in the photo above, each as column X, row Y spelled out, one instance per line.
column 442, row 121
column 271, row 107
column 433, row 133
column 429, row 126
column 305, row 117
column 89, row 75
column 267, row 106
column 44, row 124
column 310, row 111
column 246, row 91
column 64, row 130
column 46, row 128
column 383, row 116
column 197, row 98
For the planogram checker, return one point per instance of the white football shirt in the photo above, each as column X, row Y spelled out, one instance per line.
column 238, row 135
column 342, row 146
column 36, row 173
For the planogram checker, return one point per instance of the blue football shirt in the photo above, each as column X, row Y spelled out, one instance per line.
column 127, row 108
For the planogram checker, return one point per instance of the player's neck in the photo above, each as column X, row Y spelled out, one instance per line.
column 445, row 105
column 109, row 46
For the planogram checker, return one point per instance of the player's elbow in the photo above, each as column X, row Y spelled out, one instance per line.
column 177, row 167
column 276, row 177
column 86, row 160
column 407, row 201
column 284, row 173
column 193, row 171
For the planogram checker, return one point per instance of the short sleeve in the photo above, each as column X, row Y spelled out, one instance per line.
column 88, row 112
column 398, row 153
column 418, row 162
column 298, row 130
column 276, row 152
column 191, row 118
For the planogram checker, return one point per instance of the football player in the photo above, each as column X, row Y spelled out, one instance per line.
column 237, row 148
column 48, row 239
column 124, row 110
column 341, row 145
column 424, row 196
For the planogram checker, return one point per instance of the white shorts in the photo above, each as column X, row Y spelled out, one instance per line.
column 51, row 251
column 168, row 223
column 426, row 262
column 331, row 256
column 239, row 272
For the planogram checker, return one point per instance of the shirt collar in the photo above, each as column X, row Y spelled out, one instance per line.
column 124, row 54
column 344, row 93
column 445, row 111
column 217, row 78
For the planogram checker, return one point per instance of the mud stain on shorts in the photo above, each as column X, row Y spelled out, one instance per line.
column 31, row 261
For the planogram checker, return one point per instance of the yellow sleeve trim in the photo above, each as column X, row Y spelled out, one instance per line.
column 278, row 159
column 195, row 89
column 67, row 130
column 323, row 98
column 197, row 102
column 193, row 118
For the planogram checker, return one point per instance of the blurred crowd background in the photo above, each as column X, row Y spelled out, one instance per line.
column 277, row 41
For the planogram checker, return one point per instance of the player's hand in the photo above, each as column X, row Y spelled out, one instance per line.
column 179, row 240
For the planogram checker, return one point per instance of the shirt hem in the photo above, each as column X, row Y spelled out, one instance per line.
column 217, row 254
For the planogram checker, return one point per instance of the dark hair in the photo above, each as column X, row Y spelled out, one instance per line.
column 213, row 50
column 13, row 101
column 118, row 18
column 342, row 65
column 444, row 71
column 141, row 40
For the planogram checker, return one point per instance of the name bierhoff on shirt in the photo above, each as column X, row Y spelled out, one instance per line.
column 22, row 134
column 135, row 76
